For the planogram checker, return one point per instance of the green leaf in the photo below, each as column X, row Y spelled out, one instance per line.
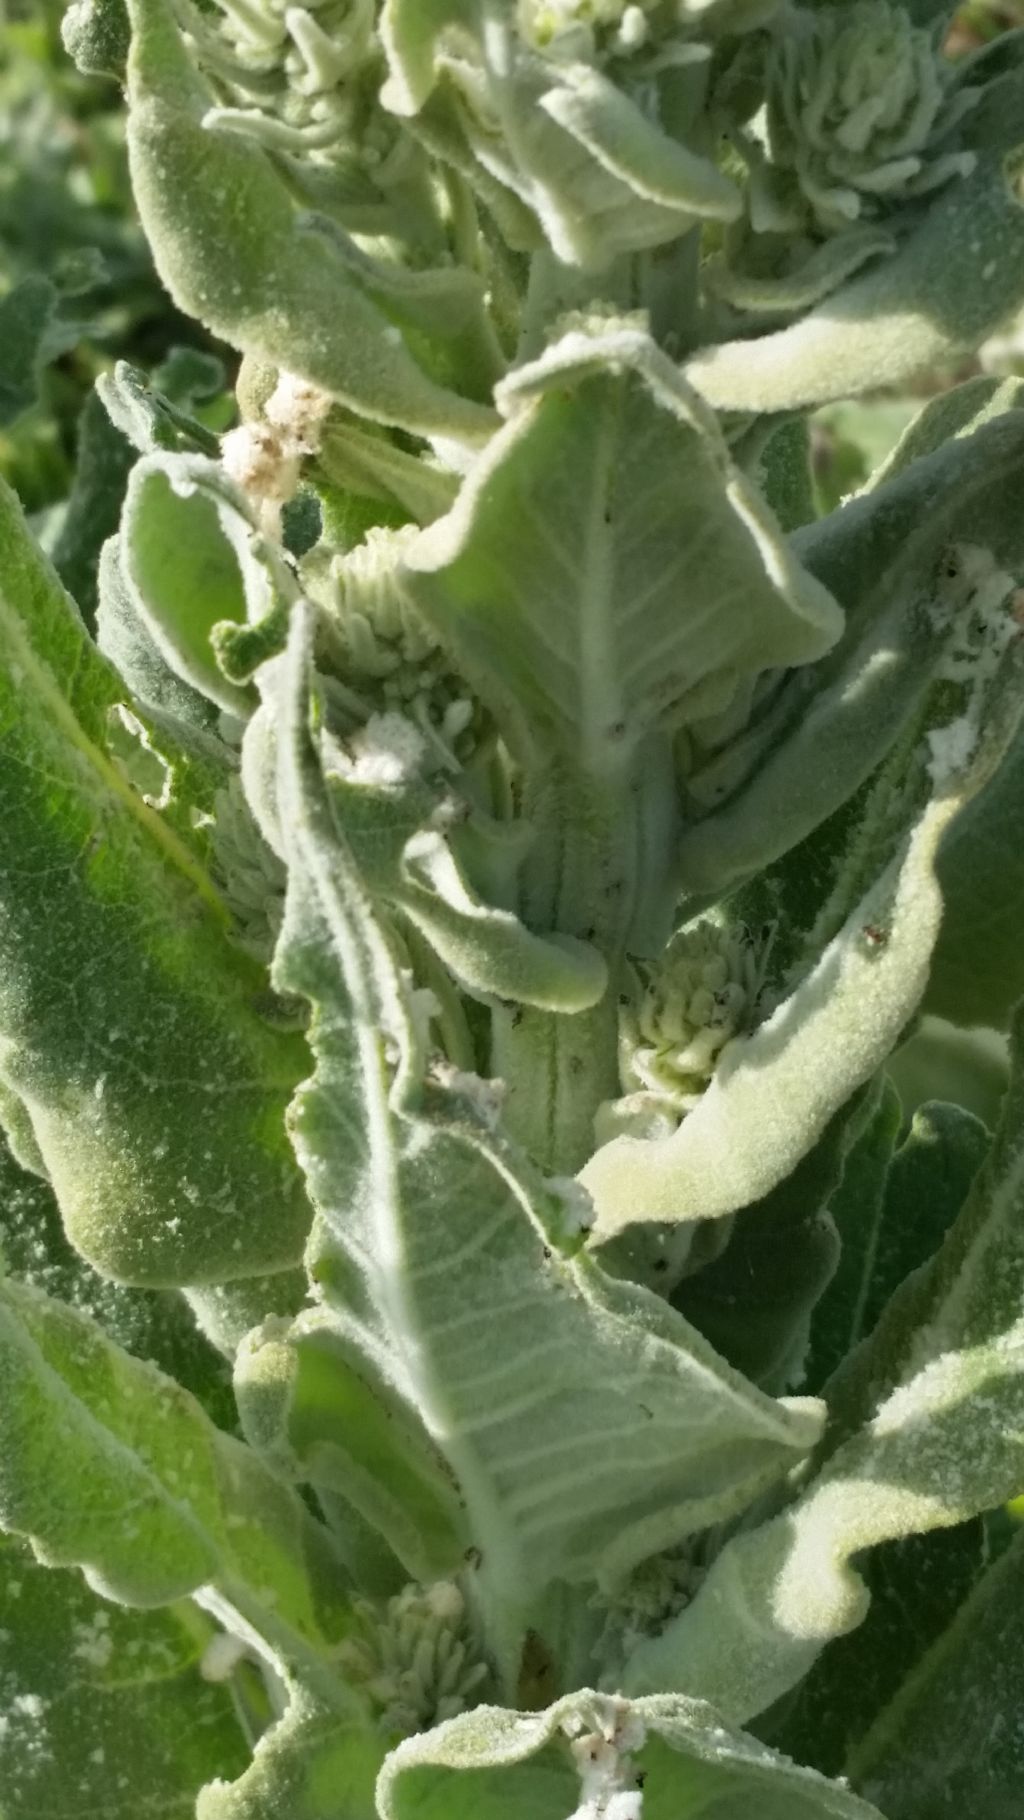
column 961, row 411
column 916, row 1586
column 147, row 418
column 778, row 459
column 967, row 1068
column 409, row 31
column 311, row 1400
column 361, row 460
column 853, row 994
column 151, row 1324
column 560, row 578
column 925, row 1420
column 312, row 1765
column 585, row 1423
column 479, row 1766
column 923, row 12
column 103, row 1709
column 157, row 1104
column 848, row 1308
column 831, row 725
column 226, row 1312
column 103, row 459
column 234, row 253
column 810, row 1055
column 124, row 638
column 626, row 144
column 192, row 558
column 600, row 176
column 978, row 971
column 755, row 1302
column 416, row 870
column 949, row 1743
column 893, row 1213
column 955, row 279
column 109, row 1466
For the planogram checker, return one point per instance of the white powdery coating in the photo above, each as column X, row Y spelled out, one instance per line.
column 221, row 1657
column 298, row 410
column 93, row 1642
column 255, row 457
column 389, row 750
column 951, row 749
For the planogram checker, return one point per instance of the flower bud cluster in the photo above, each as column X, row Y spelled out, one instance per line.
column 589, row 30
column 686, row 1008
column 390, row 657
column 302, row 78
column 416, row 1659
column 858, row 115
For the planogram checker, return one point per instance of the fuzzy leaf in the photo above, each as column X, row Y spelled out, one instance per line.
column 949, row 1743
column 917, row 1586
column 312, row 1765
column 96, row 34
column 129, row 1024
column 689, row 1762
column 954, row 280
column 755, row 1302
column 925, row 1426
column 109, row 1466
column 152, row 1324
column 831, row 725
column 233, row 252
column 103, row 1708
column 774, row 1091
column 847, row 1309
column 409, row 32
column 192, row 558
column 600, row 1426
column 560, row 577
column 978, row 972
column 489, row 950
column 893, row 1213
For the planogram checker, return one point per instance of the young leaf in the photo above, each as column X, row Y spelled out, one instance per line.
column 411, row 866
column 587, row 634
column 192, row 558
